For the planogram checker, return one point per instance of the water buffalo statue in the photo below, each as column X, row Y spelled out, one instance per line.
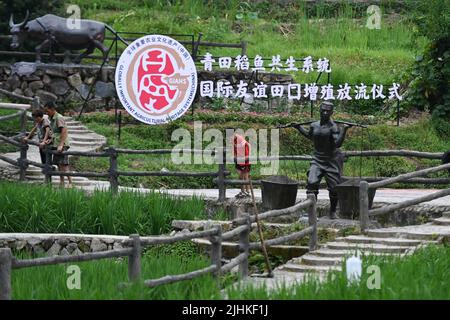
column 51, row 29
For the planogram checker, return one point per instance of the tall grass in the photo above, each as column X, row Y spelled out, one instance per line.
column 423, row 275
column 27, row 208
column 357, row 54
column 100, row 280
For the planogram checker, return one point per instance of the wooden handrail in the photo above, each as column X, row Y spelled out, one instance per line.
column 407, row 203
column 180, row 277
column 18, row 264
column 407, row 176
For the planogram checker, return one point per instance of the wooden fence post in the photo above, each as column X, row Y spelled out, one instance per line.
column 216, row 250
column 243, row 48
column 364, row 205
column 113, row 177
column 23, row 122
column 48, row 165
column 23, row 165
column 221, row 176
column 244, row 244
column 5, row 273
column 312, row 221
column 134, row 259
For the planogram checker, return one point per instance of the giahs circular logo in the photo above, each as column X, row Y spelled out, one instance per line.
column 156, row 79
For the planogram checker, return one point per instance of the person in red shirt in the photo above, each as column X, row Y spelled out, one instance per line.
column 242, row 162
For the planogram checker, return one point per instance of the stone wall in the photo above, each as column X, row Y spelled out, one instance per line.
column 60, row 244
column 68, row 85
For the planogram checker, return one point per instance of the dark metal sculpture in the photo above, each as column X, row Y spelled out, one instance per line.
column 327, row 159
column 51, row 29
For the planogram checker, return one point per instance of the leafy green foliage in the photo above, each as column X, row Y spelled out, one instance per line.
column 430, row 87
column 26, row 208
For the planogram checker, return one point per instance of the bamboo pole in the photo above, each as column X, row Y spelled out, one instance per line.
column 261, row 236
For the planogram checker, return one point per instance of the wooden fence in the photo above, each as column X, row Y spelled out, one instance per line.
column 364, row 187
column 135, row 244
column 116, row 50
column 219, row 176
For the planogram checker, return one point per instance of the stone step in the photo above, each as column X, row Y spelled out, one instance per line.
column 313, row 260
column 385, row 241
column 79, row 131
column 34, row 172
column 80, row 183
column 56, row 178
column 73, row 123
column 75, row 127
column 87, row 138
column 446, row 214
column 367, row 247
column 292, row 267
column 444, row 221
column 90, row 145
column 402, row 234
column 325, row 252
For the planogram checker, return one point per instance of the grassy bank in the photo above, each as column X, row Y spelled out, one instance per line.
column 357, row 54
column 27, row 208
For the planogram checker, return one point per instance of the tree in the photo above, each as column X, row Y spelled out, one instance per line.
column 430, row 76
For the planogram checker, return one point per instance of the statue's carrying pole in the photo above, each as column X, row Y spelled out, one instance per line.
column 294, row 124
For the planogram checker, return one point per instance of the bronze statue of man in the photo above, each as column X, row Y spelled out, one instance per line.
column 327, row 161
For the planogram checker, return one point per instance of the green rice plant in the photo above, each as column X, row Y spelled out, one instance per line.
column 33, row 208
column 100, row 280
